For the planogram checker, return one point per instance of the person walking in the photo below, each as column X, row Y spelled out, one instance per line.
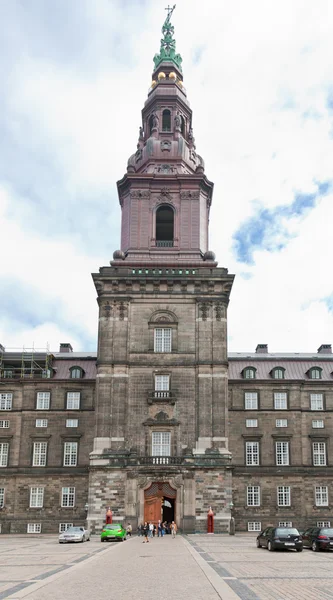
column 145, row 531
column 159, row 529
column 151, row 529
column 173, row 529
column 129, row 530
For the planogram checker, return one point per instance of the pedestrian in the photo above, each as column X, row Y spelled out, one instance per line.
column 173, row 529
column 154, row 532
column 129, row 530
column 151, row 529
column 145, row 531
column 140, row 530
column 159, row 529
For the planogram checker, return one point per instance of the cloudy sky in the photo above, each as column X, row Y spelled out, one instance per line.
column 74, row 77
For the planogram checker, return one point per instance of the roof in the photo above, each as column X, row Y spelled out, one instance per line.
column 61, row 367
column 296, row 365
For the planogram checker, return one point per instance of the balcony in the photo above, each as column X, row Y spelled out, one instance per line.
column 164, row 243
column 160, row 460
column 155, row 396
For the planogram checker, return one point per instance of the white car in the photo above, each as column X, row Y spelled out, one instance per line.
column 74, row 534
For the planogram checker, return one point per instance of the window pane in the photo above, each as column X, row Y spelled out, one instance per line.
column 254, row 526
column 41, row 422
column 64, row 526
column 72, row 422
column 39, row 454
column 317, row 424
column 251, row 422
column 281, row 423
column 36, row 497
column 162, row 340
column 280, row 400
column 2, row 497
column 253, row 495
column 4, row 424
column 162, row 382
column 321, row 495
column 316, row 402
column 251, row 400
column 161, row 443
column 252, row 453
column 283, row 495
column 282, row 453
column 6, row 401
column 319, row 453
column 43, row 400
column 73, row 400
column 70, row 454
column 4, row 454
column 278, row 374
column 68, row 497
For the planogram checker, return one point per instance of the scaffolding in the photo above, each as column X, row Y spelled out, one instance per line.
column 25, row 362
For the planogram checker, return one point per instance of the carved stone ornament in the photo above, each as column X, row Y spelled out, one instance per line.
column 189, row 194
column 107, row 309
column 166, row 145
column 219, row 311
column 161, row 416
column 140, row 193
column 138, row 155
column 204, row 308
column 163, row 319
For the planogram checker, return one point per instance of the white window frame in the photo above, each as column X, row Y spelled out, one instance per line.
column 43, row 401
column 64, row 526
column 252, row 453
column 41, row 422
column 280, row 401
column 6, row 401
column 161, row 443
column 321, row 495
column 253, row 495
column 162, row 339
column 2, row 497
column 4, row 452
column 73, row 400
column 283, row 495
column 317, row 401
column 72, row 422
column 251, row 422
column 39, row 455
column 281, row 423
column 319, row 454
column 68, row 497
column 70, row 454
column 285, row 524
column 324, row 524
column 254, row 525
column 282, row 453
column 276, row 371
column 4, row 424
column 315, row 373
column 76, row 373
column 251, row 400
column 318, row 424
column 249, row 373
column 34, row 528
column 36, row 497
column 162, row 383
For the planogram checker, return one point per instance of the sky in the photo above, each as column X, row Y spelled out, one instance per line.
column 259, row 77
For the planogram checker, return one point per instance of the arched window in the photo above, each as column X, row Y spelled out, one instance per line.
column 166, row 120
column 164, row 226
column 249, row 373
column 76, row 373
column 315, row 373
column 151, row 124
column 278, row 373
column 182, row 127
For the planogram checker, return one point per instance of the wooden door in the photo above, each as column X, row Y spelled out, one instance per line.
column 153, row 509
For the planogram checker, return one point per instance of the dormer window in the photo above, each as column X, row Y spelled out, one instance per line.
column 76, row 373
column 47, row 373
column 249, row 373
column 278, row 373
column 166, row 120
column 314, row 373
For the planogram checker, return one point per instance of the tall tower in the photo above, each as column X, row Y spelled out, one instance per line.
column 161, row 440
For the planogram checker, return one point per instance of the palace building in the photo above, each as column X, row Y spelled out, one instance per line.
column 161, row 423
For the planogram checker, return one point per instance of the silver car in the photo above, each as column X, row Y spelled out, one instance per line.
column 74, row 534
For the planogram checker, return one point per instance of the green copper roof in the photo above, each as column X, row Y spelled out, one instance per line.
column 168, row 44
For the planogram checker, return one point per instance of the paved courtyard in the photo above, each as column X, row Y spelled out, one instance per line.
column 198, row 567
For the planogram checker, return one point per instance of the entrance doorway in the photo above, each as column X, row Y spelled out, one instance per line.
column 160, row 502
column 168, row 510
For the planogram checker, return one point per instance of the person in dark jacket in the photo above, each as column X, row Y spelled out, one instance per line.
column 145, row 531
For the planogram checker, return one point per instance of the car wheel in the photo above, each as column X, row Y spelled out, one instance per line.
column 102, row 541
column 315, row 547
column 269, row 546
column 299, row 549
column 258, row 544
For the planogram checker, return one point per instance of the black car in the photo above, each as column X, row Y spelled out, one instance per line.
column 275, row 538
column 318, row 538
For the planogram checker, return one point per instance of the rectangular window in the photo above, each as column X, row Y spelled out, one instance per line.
column 36, row 497
column 321, row 495
column 6, row 401
column 4, row 447
column 39, row 454
column 254, row 526
column 41, row 422
column 2, row 497
column 43, row 400
column 318, row 424
column 64, row 526
column 280, row 400
column 323, row 523
column 161, row 443
column 282, row 453
column 162, row 382
column 4, row 424
column 70, row 454
column 73, row 401
column 281, row 423
column 251, row 422
column 252, row 453
column 316, row 402
column 68, row 497
column 253, row 495
column 285, row 524
column 251, row 400
column 319, row 454
column 72, row 422
column 283, row 495
column 34, row 528
column 162, row 340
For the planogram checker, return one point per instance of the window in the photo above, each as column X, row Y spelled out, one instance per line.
column 8, row 374
column 251, row 422
column 251, row 400
column 323, row 523
column 166, row 120
column 319, row 454
column 278, row 373
column 252, row 453
column 36, row 497
column 43, row 400
column 280, row 400
column 316, row 402
column 68, row 497
column 4, row 424
column 46, row 373
column 6, row 401
column 285, row 523
column 162, row 340
column 4, row 447
column 162, row 382
column 283, row 495
column 315, row 373
column 317, row 424
column 164, row 234
column 64, row 526
column 39, row 454
column 253, row 495
column 34, row 528
column 249, row 373
column 282, row 453
column 321, row 495
column 254, row 526
column 76, row 373
column 72, row 422
column 41, row 422
column 161, row 443
column 70, row 454
column 281, row 423
column 2, row 497
column 73, row 400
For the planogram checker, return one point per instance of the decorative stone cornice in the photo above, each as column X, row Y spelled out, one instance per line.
column 189, row 194
column 140, row 194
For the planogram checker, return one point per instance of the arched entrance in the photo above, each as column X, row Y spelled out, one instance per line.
column 160, row 503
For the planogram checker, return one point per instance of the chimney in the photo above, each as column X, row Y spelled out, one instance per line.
column 262, row 349
column 66, row 348
column 325, row 349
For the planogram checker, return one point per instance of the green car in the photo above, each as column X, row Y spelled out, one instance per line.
column 114, row 532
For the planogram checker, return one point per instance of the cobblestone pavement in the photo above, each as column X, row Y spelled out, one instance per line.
column 200, row 567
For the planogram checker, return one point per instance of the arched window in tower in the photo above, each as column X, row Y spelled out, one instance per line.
column 182, row 126
column 166, row 120
column 151, row 124
column 164, row 226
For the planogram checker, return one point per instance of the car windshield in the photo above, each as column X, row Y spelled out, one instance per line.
column 74, row 530
column 287, row 531
column 326, row 531
column 113, row 527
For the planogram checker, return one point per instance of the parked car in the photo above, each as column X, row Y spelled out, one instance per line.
column 115, row 532
column 74, row 534
column 318, row 538
column 275, row 538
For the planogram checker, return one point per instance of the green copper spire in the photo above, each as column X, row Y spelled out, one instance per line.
column 168, row 44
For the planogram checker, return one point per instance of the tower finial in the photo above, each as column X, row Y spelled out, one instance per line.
column 168, row 44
